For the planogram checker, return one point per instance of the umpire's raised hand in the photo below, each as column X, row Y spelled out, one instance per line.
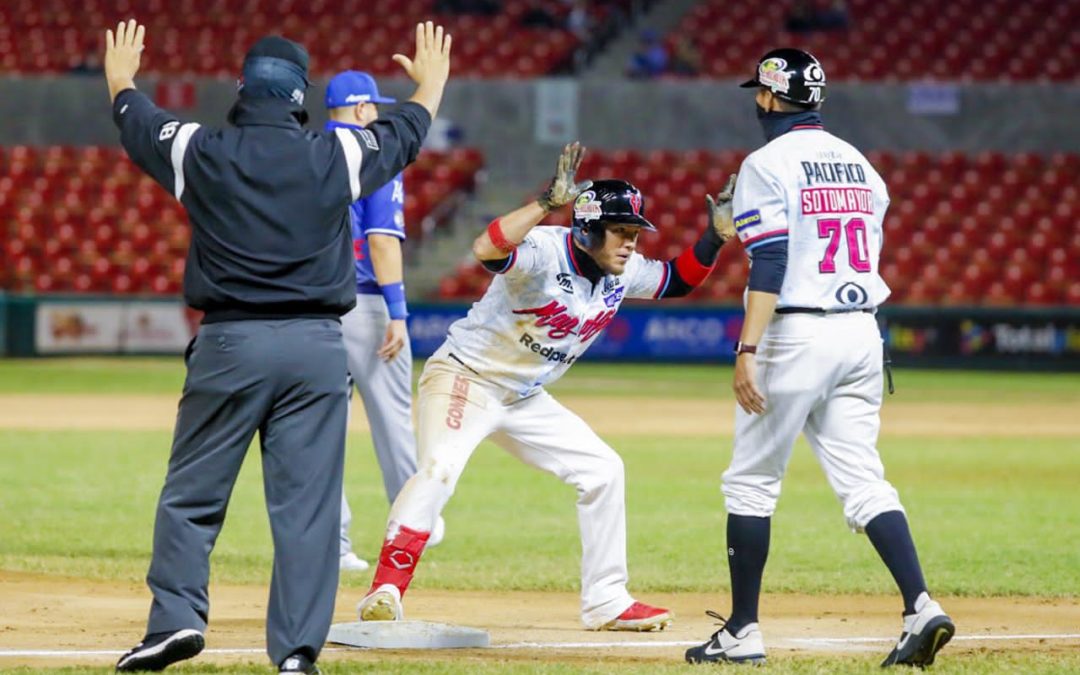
column 429, row 67
column 123, row 52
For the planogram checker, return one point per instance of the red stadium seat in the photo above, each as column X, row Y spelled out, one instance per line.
column 949, row 236
column 103, row 220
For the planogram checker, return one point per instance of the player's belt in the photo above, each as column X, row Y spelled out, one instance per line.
column 823, row 312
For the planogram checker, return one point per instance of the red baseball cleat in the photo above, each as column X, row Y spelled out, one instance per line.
column 640, row 617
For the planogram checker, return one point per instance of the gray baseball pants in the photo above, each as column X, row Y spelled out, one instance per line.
column 281, row 379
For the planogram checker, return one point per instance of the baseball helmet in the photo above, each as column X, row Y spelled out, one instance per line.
column 792, row 75
column 607, row 201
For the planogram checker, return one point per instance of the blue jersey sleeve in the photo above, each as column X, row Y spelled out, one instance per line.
column 384, row 210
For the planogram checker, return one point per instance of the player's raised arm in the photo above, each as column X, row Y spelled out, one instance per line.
column 652, row 279
column 499, row 241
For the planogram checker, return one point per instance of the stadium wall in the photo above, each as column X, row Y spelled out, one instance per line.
column 973, row 338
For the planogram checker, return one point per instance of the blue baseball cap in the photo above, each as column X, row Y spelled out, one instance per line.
column 352, row 87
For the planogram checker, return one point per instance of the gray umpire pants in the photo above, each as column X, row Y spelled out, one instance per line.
column 282, row 379
column 386, row 389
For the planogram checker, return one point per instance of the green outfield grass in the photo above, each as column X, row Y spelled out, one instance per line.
column 991, row 516
column 165, row 375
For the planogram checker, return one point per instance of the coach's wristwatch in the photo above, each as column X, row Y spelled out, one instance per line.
column 743, row 348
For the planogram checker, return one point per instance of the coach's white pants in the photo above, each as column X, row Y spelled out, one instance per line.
column 821, row 375
column 458, row 410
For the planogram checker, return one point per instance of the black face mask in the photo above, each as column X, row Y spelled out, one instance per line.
column 775, row 123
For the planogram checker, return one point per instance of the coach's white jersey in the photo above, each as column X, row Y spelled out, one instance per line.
column 820, row 194
column 539, row 314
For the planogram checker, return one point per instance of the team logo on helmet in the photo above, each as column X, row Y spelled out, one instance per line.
column 586, row 207
column 774, row 63
column 635, row 202
column 772, row 73
column 814, row 75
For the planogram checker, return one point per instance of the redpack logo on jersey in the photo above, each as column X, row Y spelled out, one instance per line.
column 549, row 353
column 560, row 324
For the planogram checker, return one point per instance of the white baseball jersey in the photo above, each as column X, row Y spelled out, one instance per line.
column 820, row 194
column 539, row 314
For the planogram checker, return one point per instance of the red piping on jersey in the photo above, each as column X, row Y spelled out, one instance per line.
column 763, row 235
column 800, row 127
column 663, row 283
column 570, row 255
column 690, row 268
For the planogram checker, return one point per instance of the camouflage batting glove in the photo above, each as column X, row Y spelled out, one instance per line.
column 720, row 215
column 563, row 189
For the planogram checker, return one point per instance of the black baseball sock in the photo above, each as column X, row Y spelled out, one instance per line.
column 891, row 536
column 748, row 548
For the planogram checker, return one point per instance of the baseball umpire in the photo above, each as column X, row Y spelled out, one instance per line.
column 270, row 264
column 809, row 209
column 376, row 338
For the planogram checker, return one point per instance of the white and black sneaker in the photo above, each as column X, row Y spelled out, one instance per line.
column 925, row 633
column 158, row 650
column 746, row 647
column 298, row 663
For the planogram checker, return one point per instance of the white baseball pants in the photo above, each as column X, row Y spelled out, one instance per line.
column 821, row 375
column 386, row 390
column 458, row 410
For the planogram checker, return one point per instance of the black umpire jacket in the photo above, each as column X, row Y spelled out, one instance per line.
column 268, row 200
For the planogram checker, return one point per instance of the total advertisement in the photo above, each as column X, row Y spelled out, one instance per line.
column 985, row 338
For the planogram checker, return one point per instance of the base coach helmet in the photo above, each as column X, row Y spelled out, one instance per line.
column 792, row 75
column 607, row 201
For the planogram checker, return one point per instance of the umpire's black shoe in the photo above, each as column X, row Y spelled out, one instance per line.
column 925, row 633
column 298, row 663
column 158, row 650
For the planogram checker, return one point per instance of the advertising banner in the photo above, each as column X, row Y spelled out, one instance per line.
column 77, row 328
column 637, row 332
column 980, row 338
column 135, row 327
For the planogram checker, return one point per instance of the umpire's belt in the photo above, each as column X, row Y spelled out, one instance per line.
column 824, row 312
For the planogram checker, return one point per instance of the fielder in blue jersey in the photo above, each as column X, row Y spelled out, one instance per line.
column 376, row 338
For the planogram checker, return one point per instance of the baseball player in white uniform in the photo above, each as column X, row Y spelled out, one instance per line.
column 809, row 210
column 557, row 288
column 376, row 338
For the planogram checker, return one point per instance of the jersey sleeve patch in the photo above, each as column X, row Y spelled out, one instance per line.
column 747, row 220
